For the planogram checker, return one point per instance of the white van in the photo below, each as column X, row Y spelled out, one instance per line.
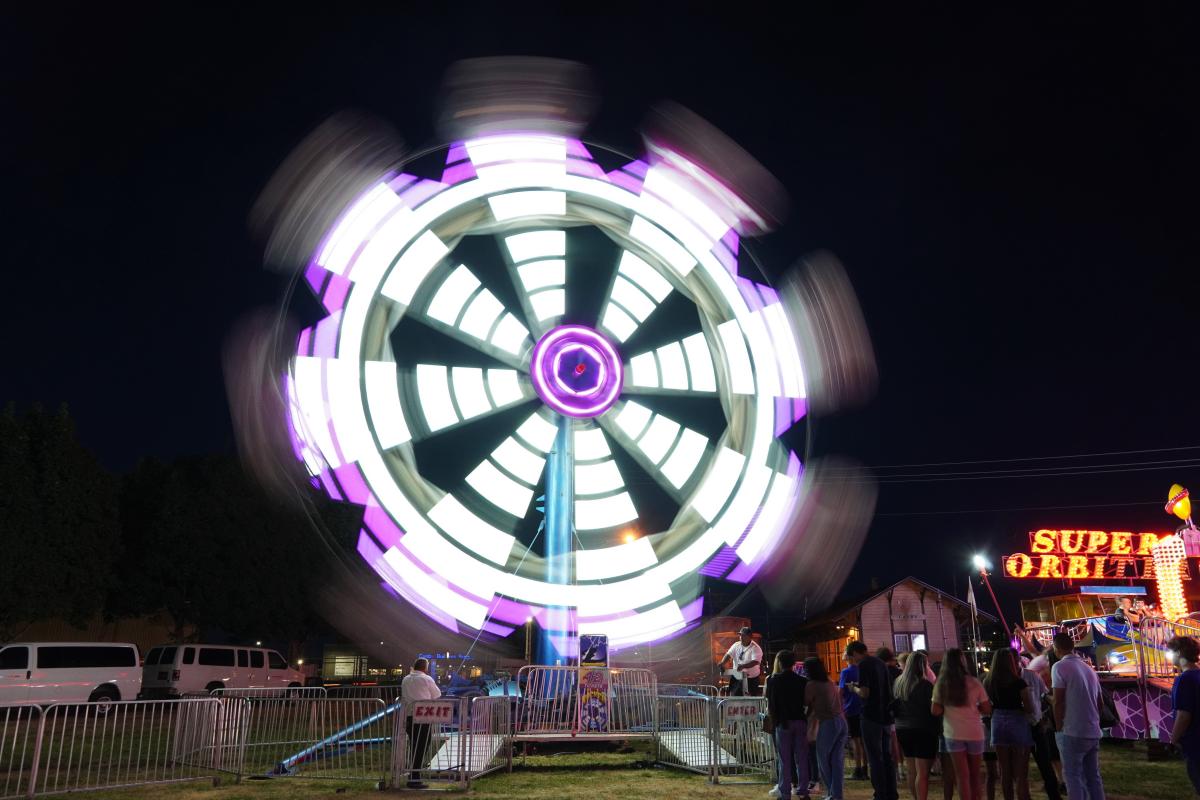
column 173, row 670
column 68, row 672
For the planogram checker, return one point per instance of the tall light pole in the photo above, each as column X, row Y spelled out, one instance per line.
column 981, row 564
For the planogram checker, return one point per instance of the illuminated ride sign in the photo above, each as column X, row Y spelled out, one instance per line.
column 1086, row 555
column 453, row 548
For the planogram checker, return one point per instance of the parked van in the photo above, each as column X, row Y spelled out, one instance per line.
column 174, row 670
column 69, row 672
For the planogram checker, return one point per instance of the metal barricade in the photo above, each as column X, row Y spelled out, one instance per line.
column 737, row 731
column 489, row 741
column 634, row 698
column 430, row 745
column 687, row 690
column 388, row 694
column 85, row 746
column 20, row 724
column 685, row 733
column 549, row 701
column 313, row 737
column 290, row 692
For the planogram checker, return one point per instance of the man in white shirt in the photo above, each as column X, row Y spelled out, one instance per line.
column 746, row 657
column 1077, row 718
column 417, row 685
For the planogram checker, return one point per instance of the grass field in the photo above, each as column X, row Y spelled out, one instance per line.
column 620, row 774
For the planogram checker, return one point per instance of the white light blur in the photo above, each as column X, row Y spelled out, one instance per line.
column 979, row 561
column 355, row 227
column 617, row 322
column 685, row 458
column 469, row 392
column 590, row 444
column 528, row 204
column 632, row 299
column 633, row 419
column 521, row 147
column 785, row 350
column 671, row 363
column 481, row 315
column 435, row 593
column 381, row 249
column 504, row 385
column 661, row 242
column 745, row 502
column 452, row 295
column 310, row 395
column 700, row 365
column 538, row 432
column 741, row 376
column 664, row 182
column 343, row 396
column 548, row 303
column 609, row 562
column 536, row 244
column 597, row 478
column 771, row 521
column 666, row 616
column 536, row 275
column 517, row 459
column 719, row 483
column 766, row 362
column 604, row 512
column 658, row 438
column 383, row 399
column 644, row 276
column 472, row 532
column 499, row 489
column 645, row 370
column 509, row 335
column 433, row 391
column 412, row 268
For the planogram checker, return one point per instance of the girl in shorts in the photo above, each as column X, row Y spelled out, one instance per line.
column 1011, row 735
column 961, row 701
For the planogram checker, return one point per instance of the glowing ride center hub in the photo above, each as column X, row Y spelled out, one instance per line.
column 576, row 394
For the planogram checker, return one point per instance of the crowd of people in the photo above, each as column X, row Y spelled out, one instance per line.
column 901, row 722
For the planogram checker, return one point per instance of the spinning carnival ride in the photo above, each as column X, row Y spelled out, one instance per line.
column 585, row 340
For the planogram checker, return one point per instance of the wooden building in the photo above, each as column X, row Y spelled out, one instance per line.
column 908, row 615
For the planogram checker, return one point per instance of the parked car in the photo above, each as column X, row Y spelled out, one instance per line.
column 174, row 670
column 69, row 672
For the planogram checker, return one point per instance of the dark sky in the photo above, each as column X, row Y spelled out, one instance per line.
column 1012, row 195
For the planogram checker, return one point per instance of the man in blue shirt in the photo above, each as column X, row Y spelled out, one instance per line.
column 852, row 707
column 1185, row 700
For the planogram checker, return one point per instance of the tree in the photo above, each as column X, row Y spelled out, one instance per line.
column 58, row 522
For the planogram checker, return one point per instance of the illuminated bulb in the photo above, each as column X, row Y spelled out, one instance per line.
column 258, row 644
column 980, row 562
column 300, row 662
column 629, row 537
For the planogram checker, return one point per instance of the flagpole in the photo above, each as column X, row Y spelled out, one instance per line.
column 974, row 624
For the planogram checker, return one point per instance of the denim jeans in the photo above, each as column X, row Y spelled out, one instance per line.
column 877, row 739
column 791, row 740
column 1193, row 771
column 1081, row 766
column 831, row 755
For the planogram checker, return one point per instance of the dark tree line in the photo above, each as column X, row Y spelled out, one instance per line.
column 195, row 537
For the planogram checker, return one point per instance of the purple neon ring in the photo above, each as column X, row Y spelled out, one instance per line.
column 595, row 359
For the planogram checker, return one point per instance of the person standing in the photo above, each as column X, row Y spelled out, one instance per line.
column 1077, row 719
column 417, row 685
column 785, row 707
column 874, row 688
column 961, row 701
column 1185, row 700
column 1011, row 736
column 916, row 727
column 746, row 658
column 852, row 708
column 1038, row 693
column 826, row 726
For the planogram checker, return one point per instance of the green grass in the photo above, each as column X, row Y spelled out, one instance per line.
column 621, row 773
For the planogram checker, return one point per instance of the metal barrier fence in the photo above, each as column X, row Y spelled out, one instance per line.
column 388, row 694
column 549, row 702
column 634, row 701
column 685, row 732
column 738, row 732
column 489, row 744
column 1151, row 637
column 687, row 690
column 19, row 727
column 430, row 742
column 85, row 746
column 292, row 692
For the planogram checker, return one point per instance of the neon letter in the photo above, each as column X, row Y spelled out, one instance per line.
column 1050, row 567
column 1043, row 541
column 1122, row 543
column 1018, row 565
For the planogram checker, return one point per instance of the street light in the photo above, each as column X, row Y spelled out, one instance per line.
column 981, row 564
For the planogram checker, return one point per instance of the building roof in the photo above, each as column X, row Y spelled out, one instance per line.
column 842, row 609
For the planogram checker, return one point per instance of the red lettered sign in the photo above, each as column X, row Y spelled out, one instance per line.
column 430, row 711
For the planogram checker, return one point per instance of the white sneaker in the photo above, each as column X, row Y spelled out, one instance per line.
column 774, row 791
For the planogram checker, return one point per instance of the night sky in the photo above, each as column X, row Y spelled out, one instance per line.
column 1012, row 196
